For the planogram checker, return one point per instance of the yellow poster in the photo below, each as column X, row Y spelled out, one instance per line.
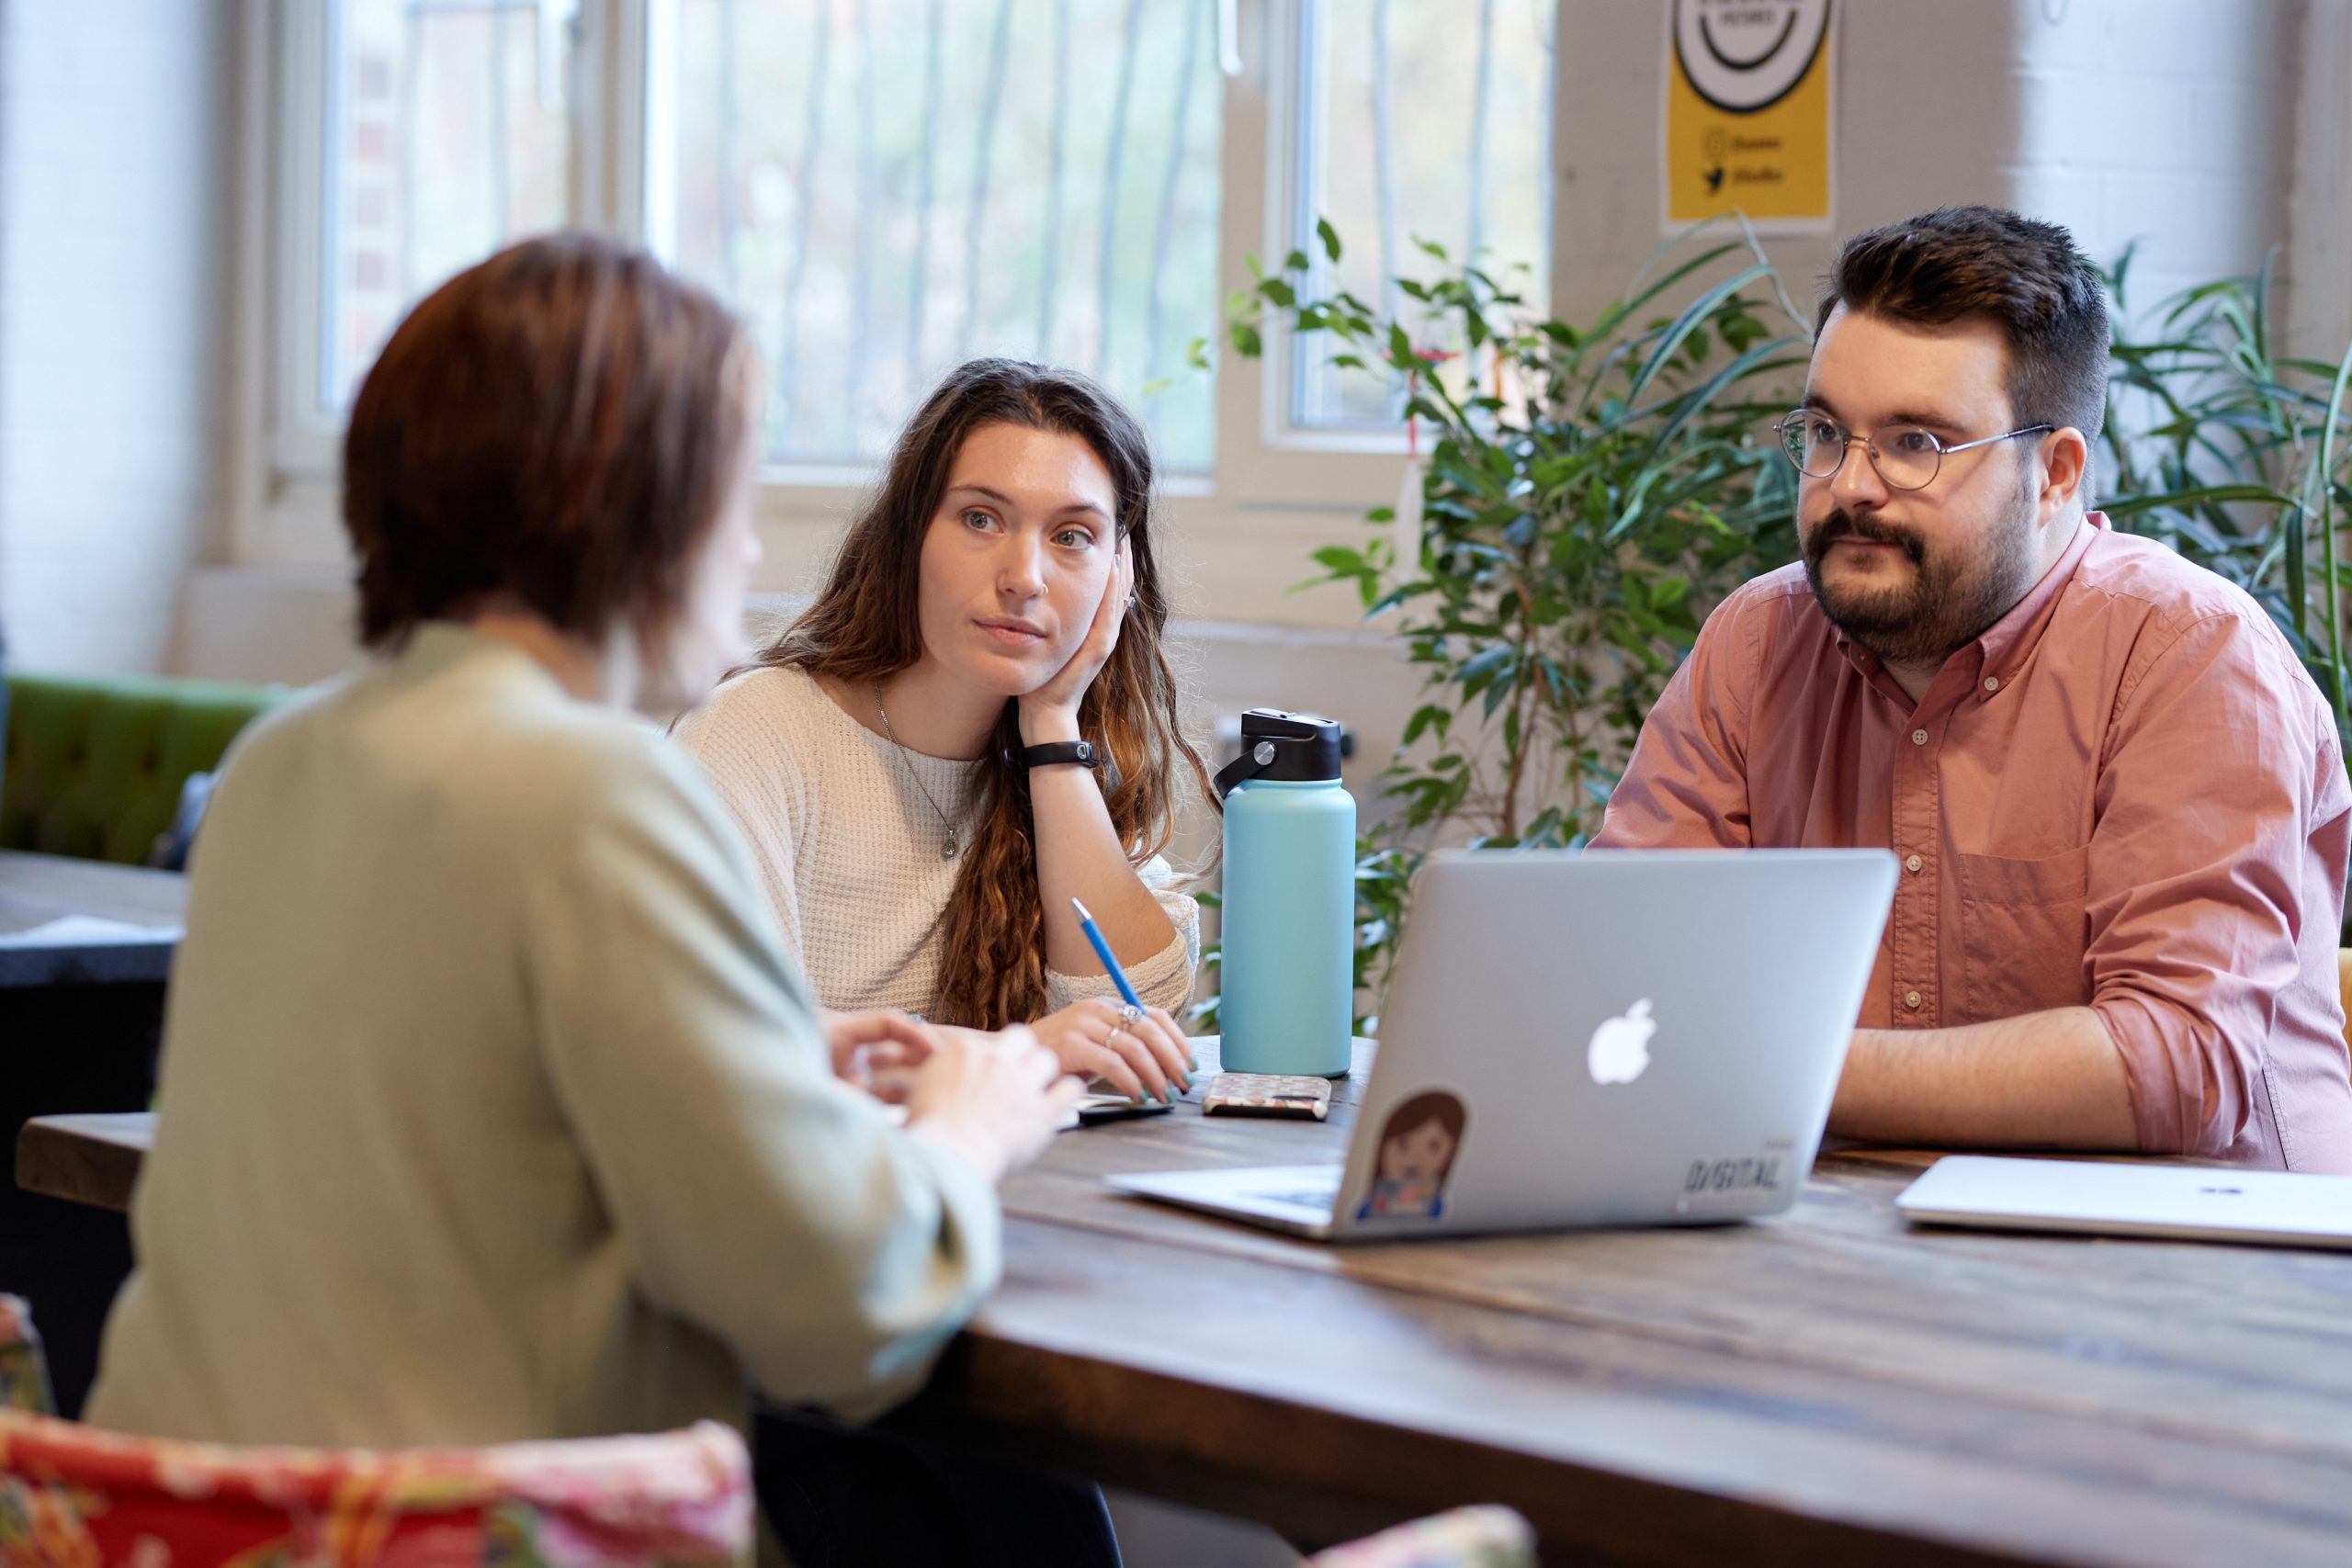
column 1748, row 112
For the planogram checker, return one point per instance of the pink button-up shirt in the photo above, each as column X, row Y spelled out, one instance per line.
column 2127, row 795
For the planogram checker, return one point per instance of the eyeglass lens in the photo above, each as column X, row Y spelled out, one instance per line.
column 1906, row 456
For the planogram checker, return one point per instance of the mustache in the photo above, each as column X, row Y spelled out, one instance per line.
column 1843, row 524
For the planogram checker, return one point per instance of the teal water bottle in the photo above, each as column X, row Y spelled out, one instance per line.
column 1286, row 998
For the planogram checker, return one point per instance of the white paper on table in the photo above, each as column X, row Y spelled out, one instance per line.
column 88, row 930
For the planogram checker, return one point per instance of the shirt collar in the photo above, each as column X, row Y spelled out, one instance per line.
column 2008, row 640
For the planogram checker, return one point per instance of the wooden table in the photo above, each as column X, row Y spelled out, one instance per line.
column 1831, row 1387
column 90, row 1158
column 36, row 889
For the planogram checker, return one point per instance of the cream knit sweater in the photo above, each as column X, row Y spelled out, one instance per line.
column 847, row 847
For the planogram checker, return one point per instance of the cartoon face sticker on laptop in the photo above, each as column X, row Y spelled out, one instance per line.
column 1418, row 1146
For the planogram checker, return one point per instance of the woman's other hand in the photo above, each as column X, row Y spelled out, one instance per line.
column 995, row 1099
column 1140, row 1055
column 877, row 1051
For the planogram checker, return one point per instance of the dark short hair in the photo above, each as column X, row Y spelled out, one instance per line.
column 560, row 422
column 2027, row 278
column 1431, row 1105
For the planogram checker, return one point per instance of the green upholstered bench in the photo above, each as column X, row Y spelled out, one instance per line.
column 96, row 764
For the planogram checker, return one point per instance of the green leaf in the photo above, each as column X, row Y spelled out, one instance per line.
column 1294, row 262
column 1196, row 353
column 1428, row 718
column 1329, row 236
column 1276, row 291
column 1155, row 386
column 1246, row 341
column 2200, row 495
column 1688, row 321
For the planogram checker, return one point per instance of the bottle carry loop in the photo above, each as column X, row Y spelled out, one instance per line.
column 1246, row 766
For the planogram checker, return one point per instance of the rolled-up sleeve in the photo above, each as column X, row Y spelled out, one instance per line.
column 1162, row 980
column 1686, row 784
column 2200, row 890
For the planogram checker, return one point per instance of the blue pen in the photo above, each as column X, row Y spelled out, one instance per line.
column 1103, row 951
column 1118, row 975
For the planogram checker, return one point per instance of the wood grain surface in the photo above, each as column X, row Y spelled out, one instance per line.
column 1831, row 1386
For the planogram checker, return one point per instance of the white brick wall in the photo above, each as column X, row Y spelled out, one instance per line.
column 112, row 232
column 2167, row 120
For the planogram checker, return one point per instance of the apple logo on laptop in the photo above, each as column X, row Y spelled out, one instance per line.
column 1620, row 1051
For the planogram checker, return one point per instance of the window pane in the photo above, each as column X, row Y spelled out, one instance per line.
column 887, row 188
column 448, row 136
column 1423, row 119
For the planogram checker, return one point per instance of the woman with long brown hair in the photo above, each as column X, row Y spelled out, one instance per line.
column 974, row 724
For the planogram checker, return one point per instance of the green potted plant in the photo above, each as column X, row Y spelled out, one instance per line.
column 1589, row 491
column 2235, row 455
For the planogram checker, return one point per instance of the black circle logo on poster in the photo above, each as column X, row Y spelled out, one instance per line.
column 1744, row 55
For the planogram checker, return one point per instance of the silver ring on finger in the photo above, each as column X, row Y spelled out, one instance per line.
column 1111, row 1040
column 1129, row 1015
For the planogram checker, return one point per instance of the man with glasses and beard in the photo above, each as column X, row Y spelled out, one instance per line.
column 2119, row 801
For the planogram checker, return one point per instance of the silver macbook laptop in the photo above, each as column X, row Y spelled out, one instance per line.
column 1602, row 1038
column 2196, row 1202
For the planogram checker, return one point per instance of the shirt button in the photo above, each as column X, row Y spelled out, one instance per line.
column 1991, row 683
column 1914, row 863
column 1918, row 737
column 1911, row 998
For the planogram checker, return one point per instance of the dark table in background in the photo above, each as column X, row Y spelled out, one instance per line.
column 37, row 889
column 80, row 1021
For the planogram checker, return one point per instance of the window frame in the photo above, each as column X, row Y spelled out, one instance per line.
column 1277, row 488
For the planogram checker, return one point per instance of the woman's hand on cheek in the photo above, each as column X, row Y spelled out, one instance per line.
column 1050, row 712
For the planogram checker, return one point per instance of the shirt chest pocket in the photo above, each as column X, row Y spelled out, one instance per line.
column 2023, row 931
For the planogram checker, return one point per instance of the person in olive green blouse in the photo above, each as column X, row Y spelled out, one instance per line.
column 490, row 1108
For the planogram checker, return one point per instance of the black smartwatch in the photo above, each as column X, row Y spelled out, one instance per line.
column 1082, row 753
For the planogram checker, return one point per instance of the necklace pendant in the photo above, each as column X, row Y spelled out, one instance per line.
column 949, row 850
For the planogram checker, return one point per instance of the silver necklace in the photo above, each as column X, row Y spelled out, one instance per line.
column 947, row 851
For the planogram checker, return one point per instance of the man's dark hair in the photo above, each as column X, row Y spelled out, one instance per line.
column 2027, row 278
column 560, row 424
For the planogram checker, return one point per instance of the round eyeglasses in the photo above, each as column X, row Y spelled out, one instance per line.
column 1907, row 456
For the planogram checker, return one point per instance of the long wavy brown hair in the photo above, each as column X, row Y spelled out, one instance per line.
column 865, row 626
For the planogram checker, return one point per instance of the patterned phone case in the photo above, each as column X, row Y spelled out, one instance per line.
column 1267, row 1094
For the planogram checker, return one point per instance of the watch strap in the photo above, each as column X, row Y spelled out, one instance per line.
column 1055, row 752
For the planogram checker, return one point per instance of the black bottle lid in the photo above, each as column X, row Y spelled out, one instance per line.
column 1284, row 748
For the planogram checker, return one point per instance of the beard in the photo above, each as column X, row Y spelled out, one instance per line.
column 1954, row 595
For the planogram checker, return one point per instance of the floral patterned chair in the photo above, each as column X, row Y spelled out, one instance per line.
column 24, row 1373
column 1484, row 1536
column 72, row 1496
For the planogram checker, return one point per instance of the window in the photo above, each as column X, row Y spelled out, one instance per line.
column 449, row 130
column 1417, row 122
column 885, row 187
